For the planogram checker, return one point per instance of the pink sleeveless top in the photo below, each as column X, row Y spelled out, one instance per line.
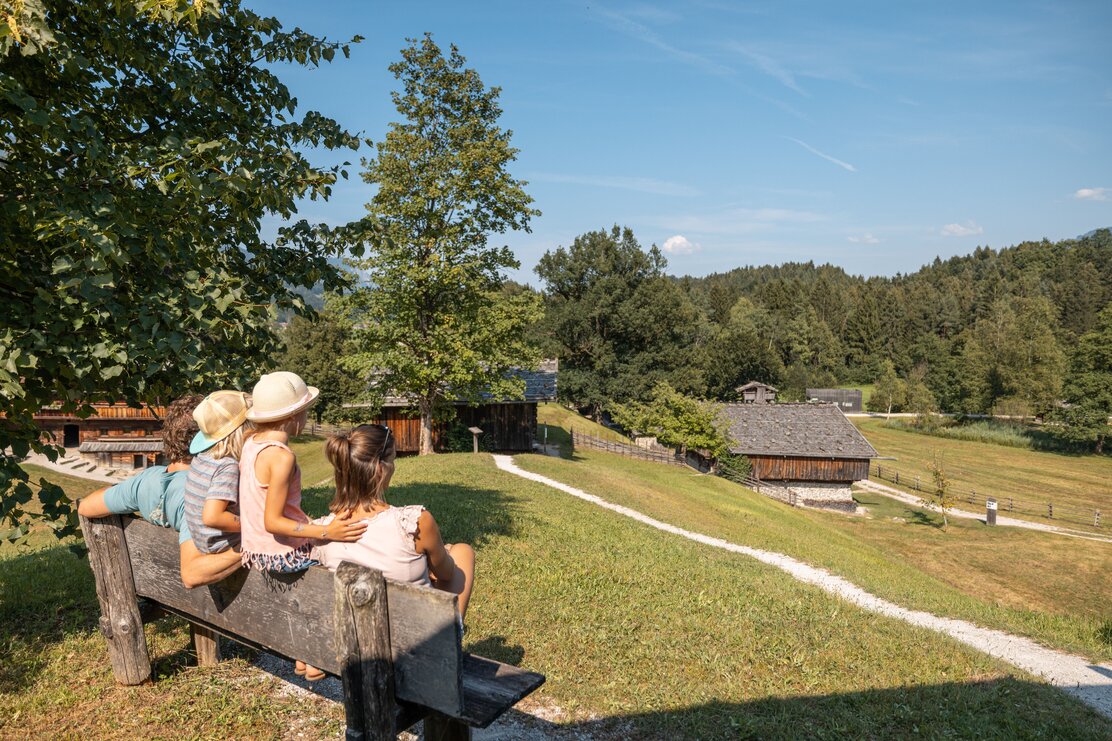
column 263, row 550
column 387, row 545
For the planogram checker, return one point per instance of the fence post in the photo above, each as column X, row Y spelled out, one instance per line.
column 897, row 477
column 1096, row 518
column 1050, row 510
column 1011, row 504
column 916, row 483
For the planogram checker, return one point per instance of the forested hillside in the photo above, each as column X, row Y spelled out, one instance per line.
column 992, row 331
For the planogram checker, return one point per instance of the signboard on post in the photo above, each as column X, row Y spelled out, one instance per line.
column 990, row 511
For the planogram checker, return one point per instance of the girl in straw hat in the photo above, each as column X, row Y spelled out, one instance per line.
column 274, row 531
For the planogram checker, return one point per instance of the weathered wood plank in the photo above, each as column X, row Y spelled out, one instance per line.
column 120, row 621
column 439, row 727
column 363, row 651
column 292, row 616
column 206, row 643
column 490, row 688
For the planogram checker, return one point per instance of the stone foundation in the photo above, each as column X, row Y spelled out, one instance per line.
column 833, row 495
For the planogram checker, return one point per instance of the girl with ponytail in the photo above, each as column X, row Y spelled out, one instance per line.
column 403, row 543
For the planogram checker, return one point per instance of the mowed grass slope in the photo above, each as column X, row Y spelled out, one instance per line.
column 641, row 634
column 944, row 572
column 1029, row 476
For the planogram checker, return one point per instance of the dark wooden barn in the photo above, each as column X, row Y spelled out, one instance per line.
column 811, row 449
column 509, row 425
column 848, row 400
column 114, row 436
column 756, row 392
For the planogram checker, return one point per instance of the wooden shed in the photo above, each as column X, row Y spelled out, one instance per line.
column 848, row 400
column 756, row 392
column 809, row 448
column 508, row 425
column 123, row 452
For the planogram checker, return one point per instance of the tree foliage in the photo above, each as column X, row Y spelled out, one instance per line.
column 312, row 344
column 143, row 143
column 1088, row 388
column 432, row 322
column 677, row 420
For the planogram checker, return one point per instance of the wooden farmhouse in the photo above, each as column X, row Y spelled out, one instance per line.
column 507, row 425
column 114, row 436
column 848, row 400
column 810, row 449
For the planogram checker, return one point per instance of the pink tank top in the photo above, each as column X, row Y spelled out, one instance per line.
column 387, row 545
column 260, row 548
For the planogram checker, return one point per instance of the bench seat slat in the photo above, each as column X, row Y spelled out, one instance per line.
column 490, row 688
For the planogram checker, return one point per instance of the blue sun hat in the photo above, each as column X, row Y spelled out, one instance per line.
column 218, row 415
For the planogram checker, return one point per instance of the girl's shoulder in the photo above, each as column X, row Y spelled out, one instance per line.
column 408, row 517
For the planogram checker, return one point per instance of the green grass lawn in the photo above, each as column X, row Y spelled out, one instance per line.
column 1030, row 477
column 914, row 563
column 640, row 633
column 560, row 421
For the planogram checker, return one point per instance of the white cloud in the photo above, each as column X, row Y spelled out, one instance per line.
column 967, row 229
column 827, row 157
column 866, row 238
column 1092, row 194
column 771, row 67
column 679, row 245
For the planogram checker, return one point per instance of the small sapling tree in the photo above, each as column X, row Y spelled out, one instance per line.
column 941, row 494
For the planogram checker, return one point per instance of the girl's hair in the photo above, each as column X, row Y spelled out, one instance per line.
column 360, row 458
column 232, row 445
column 179, row 427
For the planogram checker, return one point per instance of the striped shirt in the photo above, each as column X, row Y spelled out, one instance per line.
column 209, row 478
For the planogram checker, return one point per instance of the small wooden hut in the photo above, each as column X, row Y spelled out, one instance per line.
column 756, row 392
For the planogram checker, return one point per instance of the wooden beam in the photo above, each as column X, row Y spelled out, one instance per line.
column 363, row 651
column 120, row 621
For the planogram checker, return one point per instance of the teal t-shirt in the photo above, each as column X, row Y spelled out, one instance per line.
column 157, row 495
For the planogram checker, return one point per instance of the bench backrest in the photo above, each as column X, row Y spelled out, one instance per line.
column 292, row 615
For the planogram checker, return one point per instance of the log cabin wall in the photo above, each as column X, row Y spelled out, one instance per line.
column 785, row 468
column 506, row 427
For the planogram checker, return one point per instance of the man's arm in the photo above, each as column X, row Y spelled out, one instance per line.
column 198, row 569
column 92, row 505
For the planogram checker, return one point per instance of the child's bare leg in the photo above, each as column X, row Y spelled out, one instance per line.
column 463, row 581
column 92, row 506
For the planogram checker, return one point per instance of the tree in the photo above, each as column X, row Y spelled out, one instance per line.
column 890, row 390
column 143, row 143
column 942, row 495
column 616, row 322
column 431, row 321
column 1088, row 387
column 676, row 420
column 312, row 345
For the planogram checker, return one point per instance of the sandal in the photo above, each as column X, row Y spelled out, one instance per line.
column 299, row 668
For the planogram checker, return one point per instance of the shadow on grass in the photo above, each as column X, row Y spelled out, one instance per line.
column 464, row 514
column 999, row 709
column 919, row 517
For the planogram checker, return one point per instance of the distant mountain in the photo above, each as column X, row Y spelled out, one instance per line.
column 1093, row 233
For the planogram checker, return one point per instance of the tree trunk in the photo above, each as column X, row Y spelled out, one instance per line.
column 426, row 427
column 1100, row 445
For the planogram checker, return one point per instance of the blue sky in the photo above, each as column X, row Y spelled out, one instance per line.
column 873, row 136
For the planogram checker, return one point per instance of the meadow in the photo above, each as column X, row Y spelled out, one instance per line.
column 641, row 634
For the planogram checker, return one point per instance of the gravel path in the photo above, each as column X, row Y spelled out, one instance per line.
column 1089, row 682
column 1001, row 520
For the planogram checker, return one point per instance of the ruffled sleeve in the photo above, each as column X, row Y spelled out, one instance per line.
column 407, row 519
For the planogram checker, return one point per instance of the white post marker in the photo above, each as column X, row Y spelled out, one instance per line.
column 990, row 511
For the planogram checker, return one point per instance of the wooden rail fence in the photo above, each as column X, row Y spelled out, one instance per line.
column 1042, row 510
column 590, row 442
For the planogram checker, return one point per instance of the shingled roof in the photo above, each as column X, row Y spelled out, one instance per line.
column 540, row 385
column 146, row 445
column 795, row 430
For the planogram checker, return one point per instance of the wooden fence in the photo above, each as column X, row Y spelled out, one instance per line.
column 1006, row 505
column 590, row 442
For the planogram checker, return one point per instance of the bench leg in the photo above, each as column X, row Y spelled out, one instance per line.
column 363, row 648
column 206, row 643
column 120, row 621
column 442, row 728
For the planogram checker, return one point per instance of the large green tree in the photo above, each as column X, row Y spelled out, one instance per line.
column 1088, row 387
column 432, row 322
column 312, row 345
column 142, row 144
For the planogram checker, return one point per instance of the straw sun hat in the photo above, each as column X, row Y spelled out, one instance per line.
column 218, row 415
column 279, row 395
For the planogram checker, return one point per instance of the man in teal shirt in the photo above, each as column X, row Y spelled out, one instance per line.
column 158, row 496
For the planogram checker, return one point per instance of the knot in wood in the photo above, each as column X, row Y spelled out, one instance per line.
column 361, row 594
column 123, row 626
column 105, row 626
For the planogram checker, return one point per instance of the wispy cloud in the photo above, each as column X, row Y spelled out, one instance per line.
column 827, row 157
column 866, row 238
column 770, row 67
column 1092, row 194
column 968, row 229
column 680, row 245
column 627, row 24
column 640, row 185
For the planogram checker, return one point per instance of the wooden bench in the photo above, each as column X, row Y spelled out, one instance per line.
column 395, row 646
